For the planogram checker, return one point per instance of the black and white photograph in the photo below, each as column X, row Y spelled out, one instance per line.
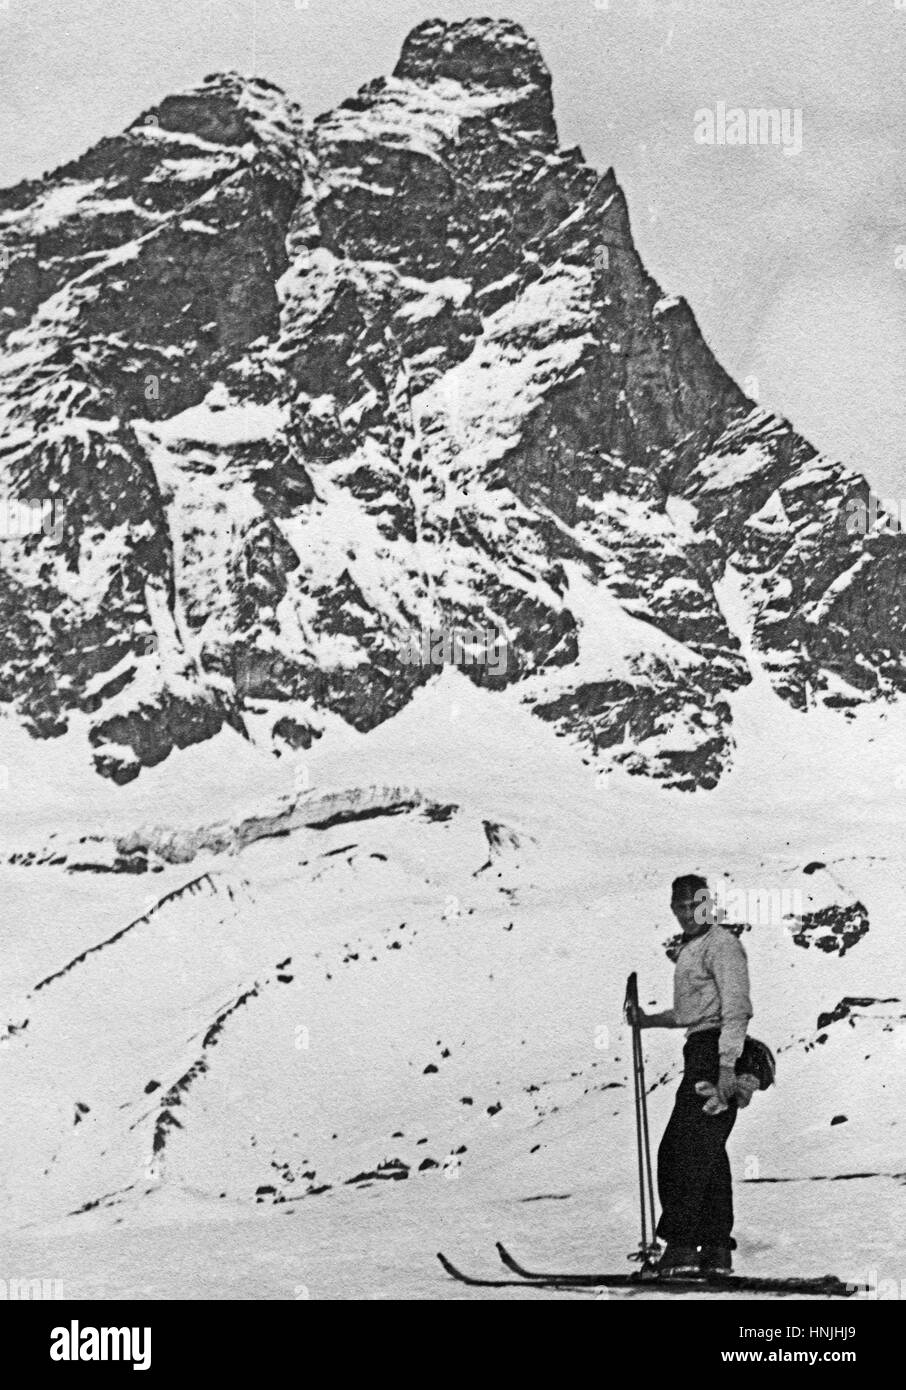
column 453, row 663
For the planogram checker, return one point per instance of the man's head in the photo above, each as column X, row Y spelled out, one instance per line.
column 691, row 903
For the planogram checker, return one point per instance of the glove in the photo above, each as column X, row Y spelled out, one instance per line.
column 726, row 1084
column 746, row 1086
column 713, row 1104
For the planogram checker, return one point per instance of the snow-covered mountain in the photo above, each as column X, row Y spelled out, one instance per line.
column 301, row 392
column 355, row 953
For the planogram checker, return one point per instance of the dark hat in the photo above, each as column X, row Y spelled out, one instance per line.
column 757, row 1059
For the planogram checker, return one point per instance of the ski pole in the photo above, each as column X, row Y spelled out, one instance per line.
column 645, row 1135
column 643, row 1140
column 631, row 1009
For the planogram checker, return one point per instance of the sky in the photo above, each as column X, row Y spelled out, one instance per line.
column 795, row 265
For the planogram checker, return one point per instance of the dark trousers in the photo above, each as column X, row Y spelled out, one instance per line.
column 693, row 1170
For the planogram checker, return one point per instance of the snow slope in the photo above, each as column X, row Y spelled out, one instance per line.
column 400, row 1020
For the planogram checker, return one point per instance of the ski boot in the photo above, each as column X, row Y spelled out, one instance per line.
column 715, row 1259
column 679, row 1262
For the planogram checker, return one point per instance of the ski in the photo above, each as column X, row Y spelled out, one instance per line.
column 826, row 1285
column 636, row 1276
column 566, row 1285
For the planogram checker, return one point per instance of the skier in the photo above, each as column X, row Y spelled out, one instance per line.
column 711, row 1001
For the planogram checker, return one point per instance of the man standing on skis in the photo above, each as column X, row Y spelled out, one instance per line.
column 711, row 1001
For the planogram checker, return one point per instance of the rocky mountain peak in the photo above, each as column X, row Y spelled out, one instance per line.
column 495, row 55
column 227, row 109
column 489, row 52
column 323, row 408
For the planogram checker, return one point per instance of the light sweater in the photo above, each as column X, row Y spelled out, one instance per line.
column 711, row 989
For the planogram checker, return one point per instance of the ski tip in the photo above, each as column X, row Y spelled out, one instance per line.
column 450, row 1268
column 507, row 1258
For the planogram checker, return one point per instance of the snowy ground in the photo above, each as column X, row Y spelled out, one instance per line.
column 405, row 1025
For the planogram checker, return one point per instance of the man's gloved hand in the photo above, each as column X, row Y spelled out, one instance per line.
column 746, row 1086
column 726, row 1084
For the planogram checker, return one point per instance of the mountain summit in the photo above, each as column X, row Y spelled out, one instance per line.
column 495, row 55
column 301, row 393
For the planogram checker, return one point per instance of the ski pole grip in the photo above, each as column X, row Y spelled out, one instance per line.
column 631, row 1002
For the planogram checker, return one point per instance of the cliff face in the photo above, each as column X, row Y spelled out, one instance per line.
column 302, row 393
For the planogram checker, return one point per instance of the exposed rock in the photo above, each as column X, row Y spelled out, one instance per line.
column 300, row 392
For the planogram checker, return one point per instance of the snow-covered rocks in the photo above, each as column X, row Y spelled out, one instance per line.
column 300, row 392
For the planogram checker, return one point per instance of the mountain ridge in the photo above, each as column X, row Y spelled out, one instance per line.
column 304, row 389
